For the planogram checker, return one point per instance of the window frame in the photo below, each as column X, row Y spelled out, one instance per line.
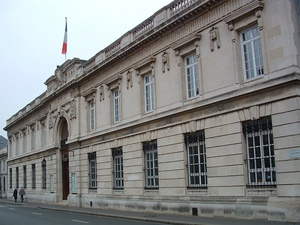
column 92, row 115
column 44, row 174
column 259, row 137
column 24, row 176
column 149, row 94
column 257, row 67
column 33, row 176
column 151, row 165
column 196, row 159
column 118, row 174
column 192, row 77
column 92, row 160
column 117, row 105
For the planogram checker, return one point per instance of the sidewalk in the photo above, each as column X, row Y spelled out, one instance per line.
column 146, row 216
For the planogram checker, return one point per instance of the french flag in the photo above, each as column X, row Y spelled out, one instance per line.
column 64, row 47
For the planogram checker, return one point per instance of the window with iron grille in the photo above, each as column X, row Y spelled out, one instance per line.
column 24, row 177
column 44, row 174
column 17, row 177
column 260, row 152
column 197, row 166
column 251, row 53
column 92, row 170
column 10, row 178
column 118, row 168
column 33, row 177
column 151, row 164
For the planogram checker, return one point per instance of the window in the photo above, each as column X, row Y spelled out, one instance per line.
column 117, row 106
column 149, row 94
column 92, row 115
column 92, row 170
column 251, row 53
column 10, row 178
column 151, row 164
column 4, row 184
column 192, row 76
column 33, row 178
column 197, row 167
column 118, row 168
column 24, row 142
column 17, row 177
column 44, row 174
column 260, row 152
column 33, row 138
column 24, row 177
column 43, row 135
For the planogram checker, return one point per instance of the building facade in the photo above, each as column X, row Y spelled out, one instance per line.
column 193, row 111
column 3, row 166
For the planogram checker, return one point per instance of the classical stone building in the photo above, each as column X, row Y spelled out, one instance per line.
column 3, row 166
column 193, row 111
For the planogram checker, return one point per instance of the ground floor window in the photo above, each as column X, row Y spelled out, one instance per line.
column 118, row 168
column 260, row 152
column 33, row 178
column 92, row 170
column 151, row 164
column 196, row 157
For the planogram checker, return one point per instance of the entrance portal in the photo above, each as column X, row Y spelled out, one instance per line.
column 65, row 159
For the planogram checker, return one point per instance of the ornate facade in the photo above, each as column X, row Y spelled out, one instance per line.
column 193, row 111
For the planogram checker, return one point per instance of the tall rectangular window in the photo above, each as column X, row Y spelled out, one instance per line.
column 192, row 76
column 196, row 155
column 43, row 135
column 10, row 178
column 151, row 164
column 17, row 177
column 33, row 176
column 149, row 93
column 44, row 174
column 24, row 177
column 92, row 170
column 260, row 152
column 92, row 115
column 118, row 168
column 24, row 141
column 32, row 138
column 117, row 106
column 251, row 52
column 4, row 185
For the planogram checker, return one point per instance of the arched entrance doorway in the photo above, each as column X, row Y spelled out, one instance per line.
column 65, row 158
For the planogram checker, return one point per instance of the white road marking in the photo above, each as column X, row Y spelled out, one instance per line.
column 79, row 221
column 37, row 213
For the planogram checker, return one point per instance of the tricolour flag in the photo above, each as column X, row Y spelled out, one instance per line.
column 64, row 47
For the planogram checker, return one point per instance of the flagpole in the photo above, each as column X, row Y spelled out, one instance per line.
column 64, row 48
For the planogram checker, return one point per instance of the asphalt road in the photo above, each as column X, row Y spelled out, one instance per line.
column 20, row 215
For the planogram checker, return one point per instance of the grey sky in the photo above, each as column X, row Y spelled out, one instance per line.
column 32, row 34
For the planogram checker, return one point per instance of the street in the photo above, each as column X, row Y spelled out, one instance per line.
column 11, row 214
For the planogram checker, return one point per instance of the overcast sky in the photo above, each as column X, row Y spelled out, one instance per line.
column 32, row 33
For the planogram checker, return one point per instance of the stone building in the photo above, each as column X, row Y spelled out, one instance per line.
column 3, row 166
column 193, row 111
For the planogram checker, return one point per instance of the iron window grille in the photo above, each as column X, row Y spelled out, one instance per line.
column 92, row 170
column 260, row 152
column 151, row 164
column 197, row 165
column 118, row 168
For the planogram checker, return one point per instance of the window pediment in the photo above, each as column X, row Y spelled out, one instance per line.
column 145, row 65
column 187, row 41
column 245, row 11
column 89, row 94
column 113, row 81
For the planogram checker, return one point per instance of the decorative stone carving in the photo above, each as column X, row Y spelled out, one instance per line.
column 101, row 95
column 50, row 121
column 73, row 110
column 214, row 37
column 129, row 79
column 165, row 61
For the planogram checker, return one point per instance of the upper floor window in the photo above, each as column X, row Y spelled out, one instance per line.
column 92, row 115
column 196, row 156
column 260, row 152
column 192, row 76
column 117, row 106
column 251, row 53
column 149, row 93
